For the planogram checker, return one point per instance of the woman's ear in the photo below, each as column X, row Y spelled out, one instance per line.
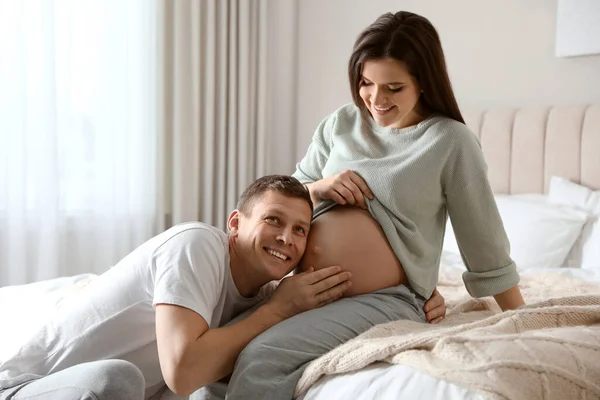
column 233, row 222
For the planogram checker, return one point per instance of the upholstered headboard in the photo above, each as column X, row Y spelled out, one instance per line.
column 524, row 148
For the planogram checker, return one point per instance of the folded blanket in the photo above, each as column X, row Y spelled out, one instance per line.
column 548, row 349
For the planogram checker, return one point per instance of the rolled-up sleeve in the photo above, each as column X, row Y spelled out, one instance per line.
column 478, row 227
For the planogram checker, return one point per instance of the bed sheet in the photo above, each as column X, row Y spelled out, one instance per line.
column 25, row 308
column 383, row 381
column 30, row 304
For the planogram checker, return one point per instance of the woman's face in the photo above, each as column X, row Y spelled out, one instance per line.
column 390, row 93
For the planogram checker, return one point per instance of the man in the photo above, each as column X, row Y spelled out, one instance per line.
column 156, row 316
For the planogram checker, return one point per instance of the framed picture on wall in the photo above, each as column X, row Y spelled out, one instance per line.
column 577, row 28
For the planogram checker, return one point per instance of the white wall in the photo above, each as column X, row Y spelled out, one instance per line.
column 500, row 53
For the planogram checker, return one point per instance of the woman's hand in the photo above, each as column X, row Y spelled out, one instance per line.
column 344, row 188
column 511, row 299
column 435, row 308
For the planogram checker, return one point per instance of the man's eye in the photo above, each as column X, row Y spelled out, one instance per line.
column 300, row 230
column 272, row 219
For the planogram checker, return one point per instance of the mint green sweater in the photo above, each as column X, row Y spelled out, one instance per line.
column 419, row 175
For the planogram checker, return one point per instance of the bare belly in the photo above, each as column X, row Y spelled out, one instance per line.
column 351, row 238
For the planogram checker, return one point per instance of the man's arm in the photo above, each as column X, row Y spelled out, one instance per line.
column 192, row 355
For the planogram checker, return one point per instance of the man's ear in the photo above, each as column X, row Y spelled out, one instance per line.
column 233, row 222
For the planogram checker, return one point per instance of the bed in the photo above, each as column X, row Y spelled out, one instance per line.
column 545, row 171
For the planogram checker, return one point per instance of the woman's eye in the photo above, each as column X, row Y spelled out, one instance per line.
column 363, row 83
column 300, row 230
column 396, row 90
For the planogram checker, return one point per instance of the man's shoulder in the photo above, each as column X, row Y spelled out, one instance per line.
column 197, row 234
column 193, row 248
column 195, row 229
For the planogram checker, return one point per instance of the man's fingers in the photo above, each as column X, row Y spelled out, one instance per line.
column 437, row 320
column 362, row 185
column 330, row 282
column 333, row 293
column 303, row 273
column 319, row 275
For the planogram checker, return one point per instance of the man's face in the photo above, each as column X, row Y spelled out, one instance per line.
column 273, row 237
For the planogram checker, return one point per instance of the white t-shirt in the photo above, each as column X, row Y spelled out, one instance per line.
column 113, row 317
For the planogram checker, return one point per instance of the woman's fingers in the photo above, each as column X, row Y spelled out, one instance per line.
column 336, row 196
column 434, row 301
column 346, row 193
column 357, row 195
column 362, row 185
column 435, row 307
column 345, row 188
column 436, row 313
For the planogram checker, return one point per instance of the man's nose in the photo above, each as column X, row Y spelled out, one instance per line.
column 285, row 237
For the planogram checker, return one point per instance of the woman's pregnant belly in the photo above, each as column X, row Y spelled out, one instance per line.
column 351, row 238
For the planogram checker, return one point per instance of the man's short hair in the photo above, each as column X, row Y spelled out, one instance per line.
column 284, row 184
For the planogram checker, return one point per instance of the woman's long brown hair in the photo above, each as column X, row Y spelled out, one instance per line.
column 412, row 39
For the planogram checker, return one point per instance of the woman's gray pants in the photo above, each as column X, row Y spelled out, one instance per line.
column 272, row 364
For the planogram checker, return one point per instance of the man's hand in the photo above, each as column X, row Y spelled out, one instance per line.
column 435, row 308
column 308, row 290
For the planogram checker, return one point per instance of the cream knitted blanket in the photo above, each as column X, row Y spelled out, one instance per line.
column 549, row 349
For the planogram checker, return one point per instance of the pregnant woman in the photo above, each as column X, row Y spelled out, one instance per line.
column 385, row 173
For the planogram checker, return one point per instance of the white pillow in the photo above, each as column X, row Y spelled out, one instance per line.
column 540, row 234
column 586, row 250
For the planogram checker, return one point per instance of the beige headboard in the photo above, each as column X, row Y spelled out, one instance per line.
column 525, row 147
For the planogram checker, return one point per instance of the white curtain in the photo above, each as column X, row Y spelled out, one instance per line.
column 78, row 134
column 226, row 102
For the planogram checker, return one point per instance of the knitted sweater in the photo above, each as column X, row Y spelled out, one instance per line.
column 419, row 175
